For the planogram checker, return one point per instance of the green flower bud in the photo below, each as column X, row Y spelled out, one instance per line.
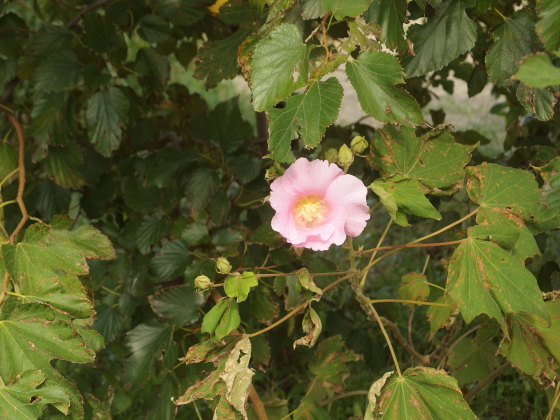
column 345, row 156
column 331, row 155
column 223, row 266
column 202, row 283
column 359, row 144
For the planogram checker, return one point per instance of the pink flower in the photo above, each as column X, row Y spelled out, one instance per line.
column 317, row 205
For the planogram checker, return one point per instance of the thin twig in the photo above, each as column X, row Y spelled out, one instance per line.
column 84, row 10
column 397, row 247
column 554, row 402
column 413, row 302
column 420, row 358
column 322, row 24
column 486, row 381
column 340, row 396
column 410, row 319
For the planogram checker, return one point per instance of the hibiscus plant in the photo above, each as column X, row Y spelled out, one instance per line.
column 191, row 229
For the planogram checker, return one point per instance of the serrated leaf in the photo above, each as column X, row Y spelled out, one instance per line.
column 311, row 9
column 153, row 29
column 414, row 286
column 265, row 235
column 374, row 75
column 202, row 185
column 272, row 83
column 51, row 199
column 485, row 279
column 169, row 165
column 547, row 24
column 180, row 304
column 513, row 40
column 62, row 163
column 329, row 363
column 438, row 316
column 240, row 286
column 421, row 393
column 224, row 126
column 246, row 168
column 145, row 342
column 549, row 205
column 183, row 12
column 261, row 305
column 221, row 319
column 153, row 66
column 94, row 77
column 441, row 39
column 408, row 198
column 8, row 69
column 342, row 8
column 49, row 39
column 22, row 400
column 171, row 260
column 106, row 112
column 53, row 121
column 195, row 234
column 57, row 71
column 108, row 323
column 101, row 36
column 14, row 34
column 534, row 346
column 390, row 16
column 308, row 114
column 162, row 407
column 140, row 198
column 538, row 101
column 311, row 326
column 472, row 362
column 538, row 71
column 150, row 231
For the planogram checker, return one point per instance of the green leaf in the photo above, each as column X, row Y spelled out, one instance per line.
column 106, row 112
column 311, row 9
column 408, row 197
column 265, row 235
column 434, row 159
column 240, row 286
column 390, row 16
column 443, row 38
column 195, row 234
column 94, row 77
column 221, row 319
column 153, row 66
column 501, row 234
column 51, row 199
column 162, row 407
column 171, row 260
column 246, row 168
column 8, row 69
column 8, row 160
column 138, row 197
column 63, row 163
column 101, row 37
column 180, row 304
column 308, row 409
column 374, row 75
column 308, row 114
column 311, row 326
column 272, row 83
column 49, row 39
column 538, row 71
column 224, row 126
column 57, row 71
column 534, row 347
column 547, row 24
column 549, row 205
column 201, row 187
column 108, row 323
column 53, row 121
column 183, row 12
column 421, row 393
column 472, row 362
column 342, row 8
column 22, row 400
column 414, row 286
column 513, row 40
column 153, row 29
column 145, row 342
column 149, row 233
column 169, row 166
column 329, row 363
column 226, row 241
column 485, row 279
column 478, row 79
column 538, row 101
column 438, row 316
column 262, row 307
column 14, row 34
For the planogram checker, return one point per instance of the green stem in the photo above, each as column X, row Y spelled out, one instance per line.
column 363, row 281
column 414, row 302
column 8, row 177
column 498, row 12
column 5, row 203
column 436, row 286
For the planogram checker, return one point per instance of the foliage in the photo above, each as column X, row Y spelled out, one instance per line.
column 122, row 180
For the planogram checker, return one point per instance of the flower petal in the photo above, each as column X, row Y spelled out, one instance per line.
column 305, row 177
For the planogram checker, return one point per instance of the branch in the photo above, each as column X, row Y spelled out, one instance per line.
column 84, row 10
column 420, row 358
column 346, row 394
column 486, row 381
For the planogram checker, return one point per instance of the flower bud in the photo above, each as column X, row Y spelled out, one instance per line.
column 359, row 144
column 331, row 155
column 223, row 266
column 202, row 283
column 345, row 156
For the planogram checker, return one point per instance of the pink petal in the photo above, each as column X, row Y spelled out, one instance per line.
column 305, row 177
column 350, row 193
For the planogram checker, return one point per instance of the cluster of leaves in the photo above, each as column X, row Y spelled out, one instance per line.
column 118, row 142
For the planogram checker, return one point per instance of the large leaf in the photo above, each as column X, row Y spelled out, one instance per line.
column 309, row 113
column 472, row 362
column 548, row 28
column 53, row 121
column 171, row 260
column 420, row 393
column 374, row 75
column 101, row 36
column 63, row 163
column 434, row 159
column 534, row 347
column 513, row 40
column 57, row 71
column 343, row 8
column 390, row 16
column 106, row 112
column 180, row 304
column 486, row 279
column 443, row 38
column 153, row 66
column 183, row 12
column 538, row 101
column 273, row 65
column 538, row 71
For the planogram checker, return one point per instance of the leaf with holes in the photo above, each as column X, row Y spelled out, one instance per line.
column 390, row 16
column 312, row 327
column 538, row 101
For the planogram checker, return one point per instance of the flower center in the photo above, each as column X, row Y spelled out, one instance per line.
column 309, row 212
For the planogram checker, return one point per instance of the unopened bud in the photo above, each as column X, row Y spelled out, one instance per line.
column 345, row 156
column 223, row 266
column 331, row 155
column 202, row 283
column 359, row 144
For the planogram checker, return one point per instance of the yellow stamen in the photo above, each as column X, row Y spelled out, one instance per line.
column 310, row 212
